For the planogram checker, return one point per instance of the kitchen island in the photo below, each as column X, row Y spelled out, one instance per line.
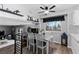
column 6, row 46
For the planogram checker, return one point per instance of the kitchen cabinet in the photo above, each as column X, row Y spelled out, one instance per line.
column 76, row 17
column 10, row 19
column 7, row 50
column 11, row 16
column 74, row 44
column 6, row 46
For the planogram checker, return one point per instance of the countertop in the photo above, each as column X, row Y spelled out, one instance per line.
column 7, row 43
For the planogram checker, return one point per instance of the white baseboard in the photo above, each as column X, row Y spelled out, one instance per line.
column 60, row 43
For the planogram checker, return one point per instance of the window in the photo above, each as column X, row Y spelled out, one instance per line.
column 53, row 26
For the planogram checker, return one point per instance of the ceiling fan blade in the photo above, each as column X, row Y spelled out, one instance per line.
column 52, row 7
column 42, row 8
column 41, row 12
column 51, row 11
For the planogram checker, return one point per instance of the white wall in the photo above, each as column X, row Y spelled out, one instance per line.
column 56, row 34
column 66, row 26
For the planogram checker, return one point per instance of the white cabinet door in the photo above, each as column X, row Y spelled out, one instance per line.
column 76, row 17
column 74, row 46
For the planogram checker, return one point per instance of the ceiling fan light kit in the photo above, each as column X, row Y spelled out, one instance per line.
column 46, row 12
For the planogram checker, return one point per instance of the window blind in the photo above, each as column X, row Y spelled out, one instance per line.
column 56, row 18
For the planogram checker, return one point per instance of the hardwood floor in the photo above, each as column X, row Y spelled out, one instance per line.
column 54, row 48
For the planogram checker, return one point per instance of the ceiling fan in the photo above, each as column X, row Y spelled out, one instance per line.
column 46, row 9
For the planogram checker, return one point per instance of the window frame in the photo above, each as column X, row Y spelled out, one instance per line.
column 54, row 30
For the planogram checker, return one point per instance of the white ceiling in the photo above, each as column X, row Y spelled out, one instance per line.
column 33, row 9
